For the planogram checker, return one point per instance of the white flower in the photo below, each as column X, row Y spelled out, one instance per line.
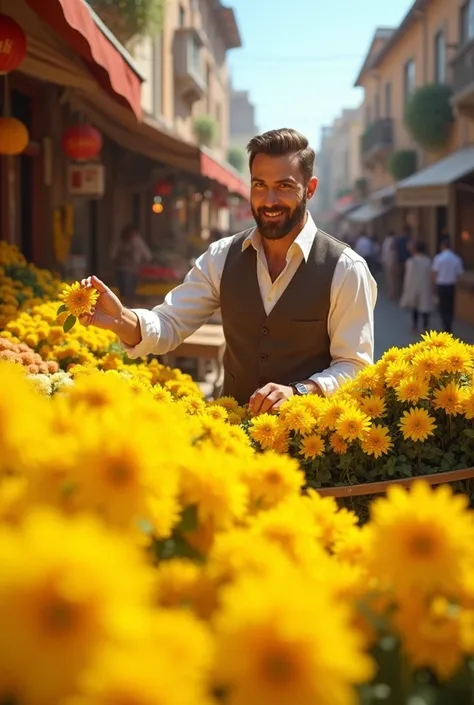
column 42, row 383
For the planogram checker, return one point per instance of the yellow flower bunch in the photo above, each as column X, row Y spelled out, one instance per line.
column 410, row 413
column 150, row 555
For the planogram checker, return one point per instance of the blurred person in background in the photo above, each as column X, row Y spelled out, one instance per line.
column 389, row 263
column 403, row 245
column 417, row 292
column 447, row 268
column 367, row 248
column 128, row 254
column 296, row 304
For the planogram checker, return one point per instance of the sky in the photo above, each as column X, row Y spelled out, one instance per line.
column 300, row 58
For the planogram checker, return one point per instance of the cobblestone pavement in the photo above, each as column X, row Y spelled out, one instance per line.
column 392, row 326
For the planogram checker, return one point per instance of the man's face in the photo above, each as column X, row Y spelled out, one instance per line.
column 279, row 194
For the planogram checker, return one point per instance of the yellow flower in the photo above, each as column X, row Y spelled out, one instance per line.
column 426, row 363
column 79, row 299
column 377, row 441
column 413, row 389
column 169, row 666
column 312, row 446
column 79, row 589
column 273, row 478
column 297, row 417
column 373, row 406
column 468, row 404
column 432, row 634
column 437, row 339
column 352, row 424
column 395, row 373
column 417, row 425
column 430, row 536
column 263, row 429
column 338, row 444
column 272, row 650
column 449, row 398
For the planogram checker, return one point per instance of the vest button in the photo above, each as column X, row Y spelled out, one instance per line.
column 265, row 330
column 263, row 357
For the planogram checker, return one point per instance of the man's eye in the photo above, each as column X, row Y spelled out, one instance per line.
column 285, row 186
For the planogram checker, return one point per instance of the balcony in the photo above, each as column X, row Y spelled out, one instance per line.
column 377, row 142
column 463, row 80
column 188, row 71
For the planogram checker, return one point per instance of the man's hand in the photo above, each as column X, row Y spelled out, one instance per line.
column 110, row 314
column 269, row 398
column 108, row 309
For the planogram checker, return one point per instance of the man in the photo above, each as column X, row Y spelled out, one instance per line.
column 447, row 268
column 403, row 252
column 296, row 304
column 389, row 263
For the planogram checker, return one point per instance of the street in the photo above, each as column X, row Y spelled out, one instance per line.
column 392, row 325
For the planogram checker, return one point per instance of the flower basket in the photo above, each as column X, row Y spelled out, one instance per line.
column 410, row 415
column 358, row 497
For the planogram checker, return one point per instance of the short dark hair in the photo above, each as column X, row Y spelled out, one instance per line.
column 280, row 142
column 445, row 241
column 420, row 247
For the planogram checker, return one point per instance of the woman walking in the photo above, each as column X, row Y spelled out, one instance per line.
column 417, row 288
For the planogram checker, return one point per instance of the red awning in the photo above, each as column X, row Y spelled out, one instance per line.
column 224, row 175
column 73, row 21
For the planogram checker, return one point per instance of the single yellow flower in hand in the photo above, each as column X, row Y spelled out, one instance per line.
column 77, row 300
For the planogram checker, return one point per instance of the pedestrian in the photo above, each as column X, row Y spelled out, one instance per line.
column 366, row 248
column 447, row 268
column 389, row 263
column 403, row 246
column 128, row 254
column 296, row 304
column 417, row 287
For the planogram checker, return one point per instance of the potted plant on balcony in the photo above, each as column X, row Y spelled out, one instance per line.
column 205, row 130
column 236, row 158
column 127, row 19
column 429, row 116
column 402, row 163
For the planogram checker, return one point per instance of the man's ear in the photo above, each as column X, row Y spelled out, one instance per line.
column 311, row 187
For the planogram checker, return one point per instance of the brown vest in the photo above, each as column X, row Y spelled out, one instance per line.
column 292, row 342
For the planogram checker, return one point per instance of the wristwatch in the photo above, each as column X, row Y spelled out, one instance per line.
column 300, row 388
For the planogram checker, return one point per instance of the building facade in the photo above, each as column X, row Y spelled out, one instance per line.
column 431, row 53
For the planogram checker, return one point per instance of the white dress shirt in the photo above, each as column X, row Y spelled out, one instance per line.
column 448, row 268
column 191, row 304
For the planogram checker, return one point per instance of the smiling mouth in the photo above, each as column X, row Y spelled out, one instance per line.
column 273, row 214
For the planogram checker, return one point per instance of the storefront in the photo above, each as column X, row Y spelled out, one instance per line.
column 441, row 198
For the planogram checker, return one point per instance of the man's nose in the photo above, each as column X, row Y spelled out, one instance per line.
column 271, row 198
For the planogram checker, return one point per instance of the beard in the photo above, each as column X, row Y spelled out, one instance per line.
column 283, row 225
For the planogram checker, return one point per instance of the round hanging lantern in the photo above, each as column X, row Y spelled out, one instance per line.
column 12, row 44
column 82, row 142
column 14, row 137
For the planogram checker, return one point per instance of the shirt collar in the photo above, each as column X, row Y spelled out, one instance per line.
column 304, row 240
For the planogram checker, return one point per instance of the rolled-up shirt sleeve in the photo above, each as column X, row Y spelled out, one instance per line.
column 350, row 322
column 185, row 309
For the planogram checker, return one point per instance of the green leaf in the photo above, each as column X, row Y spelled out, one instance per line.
column 69, row 323
column 189, row 520
column 61, row 309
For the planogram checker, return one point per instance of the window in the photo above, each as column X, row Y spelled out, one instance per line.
column 408, row 79
column 467, row 21
column 195, row 59
column 182, row 16
column 439, row 57
column 388, row 100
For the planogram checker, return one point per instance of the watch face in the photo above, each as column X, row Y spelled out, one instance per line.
column 301, row 388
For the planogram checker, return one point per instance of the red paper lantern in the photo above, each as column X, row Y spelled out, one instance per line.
column 12, row 44
column 163, row 188
column 82, row 142
column 14, row 136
